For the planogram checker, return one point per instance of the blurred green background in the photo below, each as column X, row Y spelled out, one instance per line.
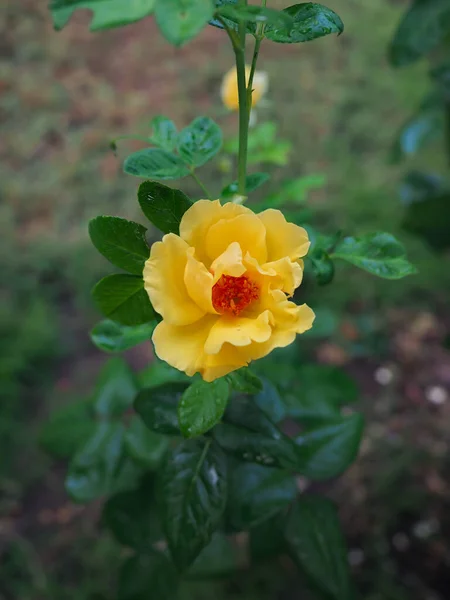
column 63, row 97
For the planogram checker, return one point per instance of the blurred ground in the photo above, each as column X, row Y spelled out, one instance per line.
column 63, row 96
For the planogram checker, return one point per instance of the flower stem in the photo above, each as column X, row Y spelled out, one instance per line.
column 201, row 184
column 239, row 52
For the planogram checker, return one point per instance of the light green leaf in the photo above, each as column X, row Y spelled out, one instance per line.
column 311, row 21
column 106, row 13
column 163, row 206
column 164, row 133
column 115, row 389
column 316, row 543
column 252, row 182
column 202, row 406
column 181, row 20
column 159, row 372
column 200, row 141
column 110, row 336
column 144, row 446
column 155, row 163
column 378, row 253
column 122, row 298
column 122, row 242
column 256, row 14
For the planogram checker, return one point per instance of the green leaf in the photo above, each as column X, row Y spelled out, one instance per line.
column 417, row 186
column 322, row 266
column 430, row 219
column 319, row 393
column 424, row 26
column 243, row 380
column 316, row 543
column 181, row 20
column 256, row 14
column 115, row 389
column 157, row 407
column 122, row 298
column 122, row 242
column 216, row 560
column 293, row 191
column 163, row 206
column 202, row 406
column 67, row 429
column 110, row 336
column 311, row 21
column 100, row 467
column 144, row 446
column 252, row 182
column 378, row 253
column 155, row 163
column 200, row 141
column 267, row 538
column 106, row 13
column 257, row 493
column 248, row 434
column 149, row 575
column 327, row 451
column 194, row 493
column 270, row 402
column 159, row 372
column 164, row 133
column 132, row 517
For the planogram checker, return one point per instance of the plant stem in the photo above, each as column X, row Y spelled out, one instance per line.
column 239, row 52
column 258, row 41
column 200, row 183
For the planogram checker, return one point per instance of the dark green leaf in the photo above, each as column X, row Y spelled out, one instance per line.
column 417, row 186
column 194, row 493
column 115, row 389
column 164, row 133
column 181, row 20
column 110, row 336
column 202, row 406
column 248, row 434
column 256, row 14
column 378, row 253
column 132, row 517
column 441, row 76
column 316, row 542
column 122, row 242
column 257, row 493
column 163, row 206
column 269, row 401
column 159, row 372
column 252, row 182
column 322, row 266
column 67, row 429
column 327, row 451
column 318, row 394
column 200, row 141
column 310, row 21
column 155, row 163
column 424, row 26
column 106, row 13
column 267, row 538
column 144, row 446
column 100, row 467
column 157, row 407
column 430, row 219
column 243, row 380
column 216, row 560
column 122, row 298
column 149, row 575
column 216, row 22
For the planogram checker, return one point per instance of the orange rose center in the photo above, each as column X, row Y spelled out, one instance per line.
column 230, row 295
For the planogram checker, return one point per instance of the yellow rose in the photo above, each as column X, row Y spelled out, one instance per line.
column 229, row 89
column 222, row 288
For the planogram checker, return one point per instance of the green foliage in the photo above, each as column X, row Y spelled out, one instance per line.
column 158, row 407
column 164, row 133
column 200, row 141
column 269, row 401
column 429, row 218
column 255, row 14
column 155, row 163
column 424, row 26
column 310, row 21
column 264, row 145
column 252, row 182
column 219, row 558
column 106, row 13
column 193, row 498
column 257, row 493
column 181, row 20
column 202, row 406
column 317, row 544
column 115, row 389
column 122, row 298
column 378, row 253
column 110, row 336
column 163, row 206
column 122, row 242
column 143, row 446
column 245, row 381
column 147, row 572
